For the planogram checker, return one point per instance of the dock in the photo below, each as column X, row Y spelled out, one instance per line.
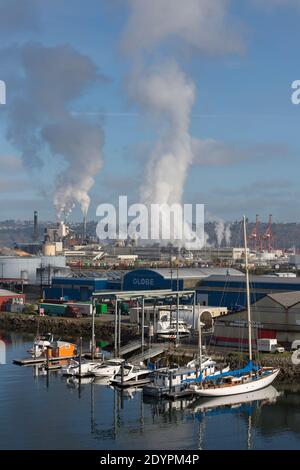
column 31, row 361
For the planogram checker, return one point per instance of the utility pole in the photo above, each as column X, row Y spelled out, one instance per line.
column 143, row 324
column 93, row 328
column 116, row 328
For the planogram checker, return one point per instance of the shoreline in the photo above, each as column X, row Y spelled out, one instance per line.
column 104, row 330
column 104, row 326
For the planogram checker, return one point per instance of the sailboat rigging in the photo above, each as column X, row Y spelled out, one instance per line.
column 247, row 379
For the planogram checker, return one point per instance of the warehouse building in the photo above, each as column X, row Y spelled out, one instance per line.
column 81, row 288
column 167, row 278
column 273, row 316
column 8, row 298
column 230, row 291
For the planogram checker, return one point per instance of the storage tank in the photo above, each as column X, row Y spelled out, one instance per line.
column 49, row 249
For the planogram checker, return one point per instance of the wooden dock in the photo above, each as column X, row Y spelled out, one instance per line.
column 31, row 361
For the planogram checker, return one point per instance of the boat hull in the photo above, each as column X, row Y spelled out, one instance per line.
column 237, row 389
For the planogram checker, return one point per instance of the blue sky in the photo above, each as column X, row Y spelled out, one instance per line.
column 243, row 102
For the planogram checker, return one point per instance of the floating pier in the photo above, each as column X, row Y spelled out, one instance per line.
column 31, row 361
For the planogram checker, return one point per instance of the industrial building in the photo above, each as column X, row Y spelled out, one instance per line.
column 167, row 278
column 274, row 316
column 9, row 297
column 230, row 291
column 32, row 269
column 82, row 288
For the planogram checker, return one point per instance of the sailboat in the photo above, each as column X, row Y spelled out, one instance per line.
column 250, row 378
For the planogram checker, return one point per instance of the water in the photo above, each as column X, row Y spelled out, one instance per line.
column 46, row 412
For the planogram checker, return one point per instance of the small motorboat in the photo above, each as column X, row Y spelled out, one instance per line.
column 40, row 345
column 108, row 368
column 73, row 368
column 168, row 330
column 130, row 375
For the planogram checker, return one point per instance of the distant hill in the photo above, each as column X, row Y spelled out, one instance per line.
column 286, row 235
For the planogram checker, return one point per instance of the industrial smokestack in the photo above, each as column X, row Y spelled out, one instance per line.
column 35, row 227
column 84, row 230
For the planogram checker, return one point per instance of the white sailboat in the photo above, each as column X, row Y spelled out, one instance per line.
column 245, row 380
column 267, row 395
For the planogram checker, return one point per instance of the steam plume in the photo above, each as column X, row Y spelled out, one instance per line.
column 227, row 234
column 219, row 231
column 164, row 91
column 41, row 119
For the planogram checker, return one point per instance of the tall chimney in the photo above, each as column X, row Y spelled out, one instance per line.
column 35, row 227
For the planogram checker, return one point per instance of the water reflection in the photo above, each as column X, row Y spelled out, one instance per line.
column 87, row 413
column 246, row 404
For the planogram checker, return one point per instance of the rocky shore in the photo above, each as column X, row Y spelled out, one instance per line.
column 64, row 327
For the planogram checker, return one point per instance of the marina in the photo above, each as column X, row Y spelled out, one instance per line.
column 87, row 414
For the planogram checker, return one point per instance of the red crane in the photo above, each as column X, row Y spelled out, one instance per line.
column 268, row 236
column 254, row 238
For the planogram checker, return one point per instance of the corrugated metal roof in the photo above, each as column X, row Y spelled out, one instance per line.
column 7, row 293
column 184, row 273
column 286, row 299
column 257, row 279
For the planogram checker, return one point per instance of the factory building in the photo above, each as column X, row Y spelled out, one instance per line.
column 274, row 316
column 27, row 268
column 230, row 291
column 165, row 278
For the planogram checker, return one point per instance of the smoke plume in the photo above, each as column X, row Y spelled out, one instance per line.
column 164, row 91
column 40, row 119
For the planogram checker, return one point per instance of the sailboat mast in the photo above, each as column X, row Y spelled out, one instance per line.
column 247, row 291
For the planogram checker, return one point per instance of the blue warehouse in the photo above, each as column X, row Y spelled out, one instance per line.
column 230, row 291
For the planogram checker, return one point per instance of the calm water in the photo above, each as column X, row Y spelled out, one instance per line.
column 40, row 412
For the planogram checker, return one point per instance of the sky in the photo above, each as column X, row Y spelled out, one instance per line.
column 102, row 97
